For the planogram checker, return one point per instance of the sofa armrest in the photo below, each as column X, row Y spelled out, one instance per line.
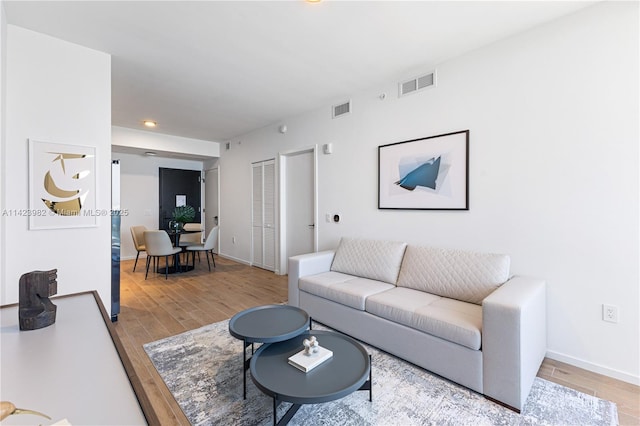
column 306, row 264
column 514, row 339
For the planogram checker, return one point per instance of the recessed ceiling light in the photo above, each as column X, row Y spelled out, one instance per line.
column 149, row 123
column 150, row 153
column 313, row 1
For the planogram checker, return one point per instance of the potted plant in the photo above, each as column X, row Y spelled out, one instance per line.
column 182, row 215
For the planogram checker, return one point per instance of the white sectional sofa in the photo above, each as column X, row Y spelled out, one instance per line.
column 456, row 313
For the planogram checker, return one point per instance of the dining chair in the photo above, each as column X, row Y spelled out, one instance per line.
column 207, row 247
column 137, row 233
column 192, row 234
column 158, row 244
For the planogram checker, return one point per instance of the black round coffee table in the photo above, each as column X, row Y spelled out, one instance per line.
column 266, row 324
column 347, row 371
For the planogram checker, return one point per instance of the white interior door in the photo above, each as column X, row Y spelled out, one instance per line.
column 211, row 208
column 298, row 204
column 299, row 201
column 264, row 215
column 269, row 225
column 256, row 215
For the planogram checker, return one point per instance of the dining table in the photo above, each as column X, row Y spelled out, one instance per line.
column 174, row 234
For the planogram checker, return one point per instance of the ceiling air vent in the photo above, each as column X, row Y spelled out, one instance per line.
column 418, row 83
column 340, row 110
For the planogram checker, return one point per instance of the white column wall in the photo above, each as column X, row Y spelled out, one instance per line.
column 3, row 91
column 553, row 114
column 56, row 92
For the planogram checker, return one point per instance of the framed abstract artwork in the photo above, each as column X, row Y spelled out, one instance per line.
column 62, row 186
column 430, row 173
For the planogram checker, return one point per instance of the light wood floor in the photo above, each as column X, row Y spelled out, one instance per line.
column 156, row 308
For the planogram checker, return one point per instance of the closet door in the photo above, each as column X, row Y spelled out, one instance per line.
column 256, row 217
column 264, row 215
column 269, row 228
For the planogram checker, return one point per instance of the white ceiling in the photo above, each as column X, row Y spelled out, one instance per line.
column 213, row 70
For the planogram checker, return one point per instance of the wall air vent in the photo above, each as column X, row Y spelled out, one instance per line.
column 417, row 84
column 341, row 109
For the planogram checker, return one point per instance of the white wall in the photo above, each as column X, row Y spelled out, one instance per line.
column 139, row 193
column 3, row 90
column 553, row 115
column 56, row 92
column 162, row 143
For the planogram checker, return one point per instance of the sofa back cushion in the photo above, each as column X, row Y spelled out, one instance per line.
column 456, row 274
column 373, row 259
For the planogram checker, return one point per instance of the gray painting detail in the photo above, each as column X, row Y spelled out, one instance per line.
column 425, row 175
column 202, row 369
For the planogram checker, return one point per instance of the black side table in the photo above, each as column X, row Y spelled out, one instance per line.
column 348, row 370
column 266, row 324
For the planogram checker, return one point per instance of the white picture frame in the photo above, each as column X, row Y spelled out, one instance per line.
column 62, row 186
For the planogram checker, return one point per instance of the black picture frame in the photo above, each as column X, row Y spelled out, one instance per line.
column 430, row 173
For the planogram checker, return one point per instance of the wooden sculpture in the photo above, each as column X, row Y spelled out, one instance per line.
column 36, row 310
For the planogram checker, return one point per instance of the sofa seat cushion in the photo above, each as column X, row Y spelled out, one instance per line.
column 377, row 260
column 342, row 288
column 462, row 275
column 452, row 320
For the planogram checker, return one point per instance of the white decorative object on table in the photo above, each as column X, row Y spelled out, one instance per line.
column 310, row 346
column 311, row 356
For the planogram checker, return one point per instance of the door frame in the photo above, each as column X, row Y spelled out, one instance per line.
column 207, row 188
column 282, row 186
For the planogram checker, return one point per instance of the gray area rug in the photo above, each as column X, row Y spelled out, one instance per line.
column 203, row 370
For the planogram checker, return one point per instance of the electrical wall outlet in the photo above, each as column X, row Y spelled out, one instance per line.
column 610, row 313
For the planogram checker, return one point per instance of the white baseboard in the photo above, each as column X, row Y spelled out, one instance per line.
column 226, row 256
column 235, row 259
column 596, row 368
column 244, row 262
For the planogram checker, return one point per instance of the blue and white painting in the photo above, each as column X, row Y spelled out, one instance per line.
column 416, row 172
column 428, row 173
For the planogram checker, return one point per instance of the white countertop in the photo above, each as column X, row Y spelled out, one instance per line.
column 68, row 370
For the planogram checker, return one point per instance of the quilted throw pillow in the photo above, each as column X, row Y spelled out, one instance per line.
column 456, row 274
column 373, row 259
